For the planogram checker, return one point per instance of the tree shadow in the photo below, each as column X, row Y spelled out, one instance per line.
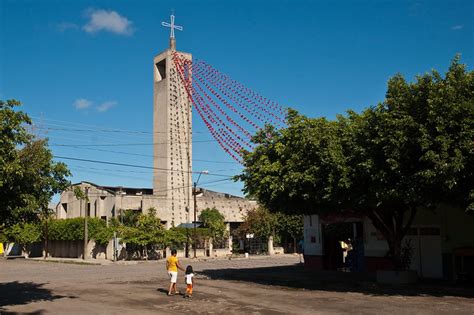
column 297, row 277
column 19, row 293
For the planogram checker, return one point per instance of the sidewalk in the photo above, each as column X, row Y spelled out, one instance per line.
column 77, row 261
column 104, row 262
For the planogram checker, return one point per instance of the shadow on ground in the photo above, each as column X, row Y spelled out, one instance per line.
column 19, row 293
column 297, row 277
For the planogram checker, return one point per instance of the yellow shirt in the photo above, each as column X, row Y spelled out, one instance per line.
column 172, row 263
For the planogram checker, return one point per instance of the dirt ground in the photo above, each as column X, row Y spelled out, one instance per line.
column 259, row 285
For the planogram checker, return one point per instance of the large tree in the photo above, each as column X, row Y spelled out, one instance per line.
column 28, row 175
column 412, row 151
column 213, row 220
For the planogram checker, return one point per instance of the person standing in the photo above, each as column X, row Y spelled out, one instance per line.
column 172, row 266
column 189, row 280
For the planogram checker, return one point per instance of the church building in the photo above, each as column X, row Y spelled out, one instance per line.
column 172, row 192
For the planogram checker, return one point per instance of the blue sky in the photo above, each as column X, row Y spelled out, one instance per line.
column 88, row 64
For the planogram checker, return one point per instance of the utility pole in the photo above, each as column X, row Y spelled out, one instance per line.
column 195, row 210
column 86, row 230
column 195, row 207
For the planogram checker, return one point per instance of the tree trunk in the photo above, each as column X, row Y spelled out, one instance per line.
column 294, row 245
column 395, row 251
column 394, row 230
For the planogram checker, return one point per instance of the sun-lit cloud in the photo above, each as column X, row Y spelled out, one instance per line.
column 106, row 106
column 457, row 27
column 109, row 21
column 82, row 103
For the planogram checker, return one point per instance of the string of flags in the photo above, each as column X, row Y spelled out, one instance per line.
column 231, row 112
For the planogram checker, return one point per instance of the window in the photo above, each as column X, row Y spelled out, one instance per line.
column 160, row 70
column 64, row 205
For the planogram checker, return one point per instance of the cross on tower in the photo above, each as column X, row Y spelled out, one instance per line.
column 172, row 26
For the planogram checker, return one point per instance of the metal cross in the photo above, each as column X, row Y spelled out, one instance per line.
column 172, row 26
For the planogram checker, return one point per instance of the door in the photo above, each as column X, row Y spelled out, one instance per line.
column 430, row 254
column 427, row 257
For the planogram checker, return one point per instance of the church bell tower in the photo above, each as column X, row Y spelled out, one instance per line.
column 172, row 131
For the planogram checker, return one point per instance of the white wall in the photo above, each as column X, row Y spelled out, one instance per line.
column 312, row 235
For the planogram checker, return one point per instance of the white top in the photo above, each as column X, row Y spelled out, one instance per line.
column 189, row 278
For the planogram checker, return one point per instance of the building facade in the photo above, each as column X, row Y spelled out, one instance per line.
column 108, row 202
column 441, row 243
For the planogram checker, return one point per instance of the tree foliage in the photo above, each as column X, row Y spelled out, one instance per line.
column 147, row 231
column 260, row 222
column 176, row 237
column 28, row 175
column 412, row 151
column 290, row 224
column 213, row 220
column 73, row 230
column 66, row 229
column 24, row 233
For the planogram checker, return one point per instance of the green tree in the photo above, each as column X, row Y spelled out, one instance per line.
column 412, row 151
column 213, row 220
column 129, row 217
column 28, row 175
column 291, row 225
column 24, row 234
column 175, row 237
column 260, row 222
column 147, row 232
column 100, row 232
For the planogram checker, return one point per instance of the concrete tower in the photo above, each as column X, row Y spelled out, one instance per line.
column 172, row 137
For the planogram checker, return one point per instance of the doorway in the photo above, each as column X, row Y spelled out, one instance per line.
column 343, row 246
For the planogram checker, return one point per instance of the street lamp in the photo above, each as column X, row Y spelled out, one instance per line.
column 195, row 207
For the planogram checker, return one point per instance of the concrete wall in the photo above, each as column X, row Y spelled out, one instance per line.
column 233, row 208
column 172, row 124
column 74, row 249
column 312, row 235
column 104, row 203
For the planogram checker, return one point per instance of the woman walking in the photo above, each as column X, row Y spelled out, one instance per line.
column 172, row 266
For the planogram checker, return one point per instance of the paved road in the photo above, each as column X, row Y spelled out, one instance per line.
column 254, row 286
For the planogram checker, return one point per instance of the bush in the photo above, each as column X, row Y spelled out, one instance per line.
column 73, row 230
column 24, row 234
column 99, row 231
column 66, row 229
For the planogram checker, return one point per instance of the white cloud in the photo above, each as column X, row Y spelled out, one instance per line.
column 106, row 106
column 457, row 27
column 110, row 21
column 82, row 103
column 64, row 26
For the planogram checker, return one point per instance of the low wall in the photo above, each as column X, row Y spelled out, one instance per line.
column 75, row 249
column 220, row 252
column 278, row 250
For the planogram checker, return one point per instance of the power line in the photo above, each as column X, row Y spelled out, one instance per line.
column 95, row 128
column 150, row 155
column 124, row 144
column 103, row 130
column 210, row 183
column 136, row 166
